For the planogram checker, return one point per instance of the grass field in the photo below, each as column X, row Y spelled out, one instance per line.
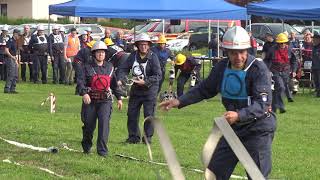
column 295, row 147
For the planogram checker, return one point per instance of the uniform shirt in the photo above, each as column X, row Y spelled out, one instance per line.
column 292, row 65
column 190, row 66
column 114, row 54
column 316, row 57
column 163, row 55
column 152, row 76
column 84, row 81
column 56, row 44
column 258, row 84
column 121, row 43
column 267, row 45
column 3, row 43
column 37, row 46
column 12, row 45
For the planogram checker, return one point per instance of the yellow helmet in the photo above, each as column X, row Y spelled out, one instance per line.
column 108, row 41
column 91, row 43
column 162, row 39
column 180, row 59
column 282, row 38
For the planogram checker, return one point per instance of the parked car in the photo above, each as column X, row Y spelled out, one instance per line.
column 299, row 28
column 259, row 30
column 180, row 43
column 315, row 29
column 97, row 30
column 200, row 38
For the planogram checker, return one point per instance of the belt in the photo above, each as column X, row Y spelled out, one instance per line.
column 100, row 95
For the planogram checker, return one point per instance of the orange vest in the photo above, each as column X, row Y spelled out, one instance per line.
column 73, row 46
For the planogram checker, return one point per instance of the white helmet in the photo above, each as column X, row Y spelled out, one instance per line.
column 40, row 28
column 236, row 38
column 143, row 37
column 5, row 28
column 99, row 45
column 62, row 29
column 55, row 27
column 88, row 29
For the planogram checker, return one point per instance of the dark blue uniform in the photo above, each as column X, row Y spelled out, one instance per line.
column 11, row 66
column 281, row 65
column 26, row 57
column 99, row 82
column 249, row 94
column 56, row 49
column 190, row 67
column 39, row 47
column 3, row 43
column 163, row 56
column 316, row 68
column 141, row 95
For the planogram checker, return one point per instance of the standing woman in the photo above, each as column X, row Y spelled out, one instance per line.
column 97, row 83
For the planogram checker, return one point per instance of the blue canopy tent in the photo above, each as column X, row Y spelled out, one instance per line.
column 146, row 9
column 286, row 9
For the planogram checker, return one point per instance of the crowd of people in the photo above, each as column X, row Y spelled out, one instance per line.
column 104, row 67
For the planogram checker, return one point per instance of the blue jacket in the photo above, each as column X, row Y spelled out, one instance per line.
column 253, row 117
column 163, row 55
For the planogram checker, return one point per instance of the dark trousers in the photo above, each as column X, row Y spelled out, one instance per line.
column 134, row 106
column 163, row 73
column 40, row 61
column 3, row 68
column 78, row 73
column 58, row 69
column 89, row 115
column 316, row 79
column 12, row 75
column 182, row 79
column 281, row 81
column 257, row 144
column 26, row 58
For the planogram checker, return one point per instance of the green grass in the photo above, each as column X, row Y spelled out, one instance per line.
column 295, row 147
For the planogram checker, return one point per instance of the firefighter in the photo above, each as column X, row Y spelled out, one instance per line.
column 281, row 66
column 11, row 52
column 163, row 54
column 25, row 53
column 145, row 69
column 189, row 67
column 268, row 44
column 84, row 56
column 115, row 54
column 245, row 86
column 71, row 48
column 39, row 47
column 97, row 83
column 4, row 37
column 316, row 62
column 56, row 47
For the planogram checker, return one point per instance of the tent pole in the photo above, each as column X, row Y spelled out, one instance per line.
column 209, row 36
column 163, row 25
column 134, row 30
column 49, row 23
column 218, row 38
column 282, row 25
column 312, row 26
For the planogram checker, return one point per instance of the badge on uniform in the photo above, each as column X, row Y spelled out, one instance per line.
column 264, row 97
